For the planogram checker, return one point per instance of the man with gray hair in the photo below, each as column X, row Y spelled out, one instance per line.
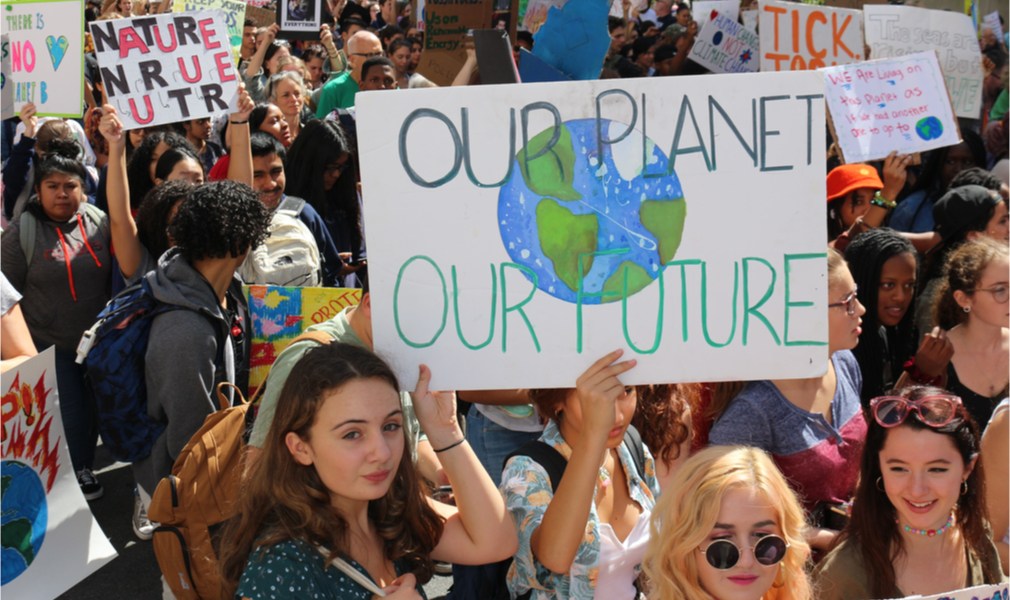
column 340, row 91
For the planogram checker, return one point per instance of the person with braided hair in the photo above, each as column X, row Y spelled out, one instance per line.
column 884, row 267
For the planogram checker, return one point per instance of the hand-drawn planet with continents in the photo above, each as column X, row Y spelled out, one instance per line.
column 574, row 201
column 24, row 520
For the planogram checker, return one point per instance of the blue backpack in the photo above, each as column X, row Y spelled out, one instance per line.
column 114, row 353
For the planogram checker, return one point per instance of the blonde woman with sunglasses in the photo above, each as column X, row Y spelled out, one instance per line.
column 919, row 521
column 728, row 527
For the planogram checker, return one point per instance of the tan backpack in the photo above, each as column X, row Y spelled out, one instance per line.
column 194, row 501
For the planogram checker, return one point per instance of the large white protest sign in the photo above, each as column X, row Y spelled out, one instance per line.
column 991, row 21
column 6, row 85
column 702, row 10
column 795, row 36
column 725, row 46
column 890, row 104
column 50, row 539
column 234, row 18
column 47, row 55
column 524, row 231
column 997, row 591
column 899, row 30
column 166, row 68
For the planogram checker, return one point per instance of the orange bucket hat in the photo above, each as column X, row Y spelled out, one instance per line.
column 848, row 178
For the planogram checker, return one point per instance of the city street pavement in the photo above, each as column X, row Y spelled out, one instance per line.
column 135, row 574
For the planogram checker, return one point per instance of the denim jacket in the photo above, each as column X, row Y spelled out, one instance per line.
column 527, row 490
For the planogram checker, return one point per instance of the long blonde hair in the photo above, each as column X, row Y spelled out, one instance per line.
column 687, row 511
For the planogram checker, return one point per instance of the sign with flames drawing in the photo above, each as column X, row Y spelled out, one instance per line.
column 49, row 539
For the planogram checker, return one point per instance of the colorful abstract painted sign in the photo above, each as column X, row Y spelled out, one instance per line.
column 796, row 36
column 280, row 314
column 894, row 31
column 518, row 235
column 51, row 541
column 892, row 104
column 47, row 55
column 725, row 46
column 167, row 68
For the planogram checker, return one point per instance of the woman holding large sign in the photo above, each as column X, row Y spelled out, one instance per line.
column 919, row 520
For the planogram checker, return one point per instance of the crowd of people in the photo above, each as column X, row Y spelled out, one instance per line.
column 887, row 476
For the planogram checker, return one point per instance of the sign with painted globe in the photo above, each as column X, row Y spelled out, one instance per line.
column 24, row 518
column 517, row 233
column 592, row 223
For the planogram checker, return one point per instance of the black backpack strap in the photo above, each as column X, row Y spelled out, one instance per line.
column 633, row 440
column 547, row 457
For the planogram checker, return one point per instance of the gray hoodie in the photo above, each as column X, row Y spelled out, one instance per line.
column 184, row 361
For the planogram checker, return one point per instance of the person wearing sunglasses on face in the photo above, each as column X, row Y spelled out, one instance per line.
column 813, row 427
column 728, row 527
column 919, row 522
column 971, row 304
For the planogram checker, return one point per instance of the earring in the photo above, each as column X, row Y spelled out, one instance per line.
column 964, row 487
column 880, row 481
column 966, row 308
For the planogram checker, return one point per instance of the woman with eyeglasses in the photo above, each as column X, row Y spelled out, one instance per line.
column 971, row 304
column 919, row 521
column 813, row 427
column 728, row 527
column 321, row 169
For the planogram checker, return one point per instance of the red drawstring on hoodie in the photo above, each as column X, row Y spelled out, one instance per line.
column 66, row 253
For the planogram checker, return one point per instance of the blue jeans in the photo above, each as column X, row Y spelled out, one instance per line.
column 491, row 443
column 77, row 408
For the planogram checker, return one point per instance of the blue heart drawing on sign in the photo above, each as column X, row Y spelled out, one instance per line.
column 57, row 49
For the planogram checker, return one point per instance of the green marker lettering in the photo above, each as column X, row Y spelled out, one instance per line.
column 518, row 307
column 704, row 304
column 683, row 289
column 396, row 303
column 753, row 310
column 455, row 309
column 788, row 258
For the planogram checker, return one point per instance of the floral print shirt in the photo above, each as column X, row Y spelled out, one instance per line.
column 527, row 490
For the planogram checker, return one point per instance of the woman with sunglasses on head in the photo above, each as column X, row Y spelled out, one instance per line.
column 971, row 304
column 729, row 527
column 919, row 522
column 814, row 427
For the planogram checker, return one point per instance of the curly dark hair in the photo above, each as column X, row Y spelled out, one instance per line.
column 152, row 220
column 873, row 528
column 285, row 500
column 866, row 256
column 138, row 171
column 219, row 219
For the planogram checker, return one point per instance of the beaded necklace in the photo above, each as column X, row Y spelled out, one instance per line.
column 929, row 532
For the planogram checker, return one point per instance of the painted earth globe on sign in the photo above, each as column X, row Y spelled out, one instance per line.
column 24, row 520
column 571, row 202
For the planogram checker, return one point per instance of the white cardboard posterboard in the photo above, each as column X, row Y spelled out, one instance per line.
column 521, row 233
column 167, row 68
column 996, row 591
column 701, row 11
column 797, row 36
column 234, row 18
column 6, row 85
column 991, row 21
column 899, row 30
column 890, row 104
column 725, row 46
column 51, row 539
column 47, row 55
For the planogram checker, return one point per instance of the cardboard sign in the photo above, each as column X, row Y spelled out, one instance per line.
column 47, row 55
column 6, row 85
column 702, row 10
column 278, row 315
column 991, row 21
column 262, row 17
column 166, row 68
column 997, row 591
column 299, row 19
column 51, row 541
column 893, row 31
column 234, row 18
column 725, row 46
column 447, row 24
column 797, row 36
column 519, row 235
column 890, row 104
column 574, row 39
column 749, row 18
